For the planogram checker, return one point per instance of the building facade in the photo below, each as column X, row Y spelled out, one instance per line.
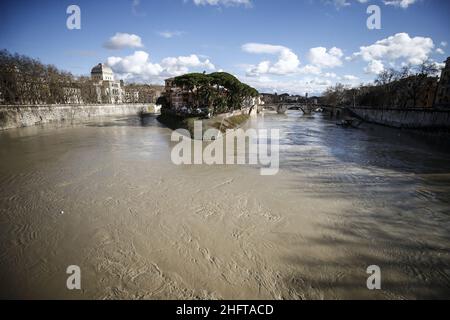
column 443, row 89
column 72, row 95
column 177, row 97
column 428, row 93
column 108, row 90
column 131, row 96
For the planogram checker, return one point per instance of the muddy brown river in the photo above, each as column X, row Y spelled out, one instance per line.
column 106, row 197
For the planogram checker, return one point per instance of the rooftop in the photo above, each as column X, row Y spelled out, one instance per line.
column 101, row 68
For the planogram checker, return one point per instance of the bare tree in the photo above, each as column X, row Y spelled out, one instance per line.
column 335, row 95
column 419, row 81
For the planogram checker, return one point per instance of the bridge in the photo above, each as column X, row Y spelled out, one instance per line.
column 283, row 107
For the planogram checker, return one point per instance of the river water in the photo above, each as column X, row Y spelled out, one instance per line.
column 106, row 197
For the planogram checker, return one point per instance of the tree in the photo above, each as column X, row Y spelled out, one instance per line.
column 392, row 88
column 417, row 82
column 387, row 81
column 218, row 91
column 335, row 95
column 24, row 80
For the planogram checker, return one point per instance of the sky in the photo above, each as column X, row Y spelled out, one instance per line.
column 294, row 46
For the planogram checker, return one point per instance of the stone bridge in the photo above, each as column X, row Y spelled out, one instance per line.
column 283, row 107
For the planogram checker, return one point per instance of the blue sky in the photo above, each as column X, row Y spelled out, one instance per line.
column 275, row 45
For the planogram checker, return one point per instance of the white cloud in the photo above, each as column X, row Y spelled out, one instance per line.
column 400, row 47
column 313, row 86
column 374, row 67
column 396, row 3
column 330, row 75
column 310, row 69
column 323, row 58
column 139, row 66
column 288, row 62
column 123, row 40
column 181, row 65
column 440, row 51
column 341, row 3
column 344, row 3
column 439, row 66
column 443, row 44
column 350, row 78
column 399, row 3
column 227, row 3
column 170, row 34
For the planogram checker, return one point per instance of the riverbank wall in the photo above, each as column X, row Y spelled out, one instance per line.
column 231, row 120
column 24, row 116
column 418, row 118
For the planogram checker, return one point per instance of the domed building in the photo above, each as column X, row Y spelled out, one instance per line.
column 102, row 72
column 108, row 90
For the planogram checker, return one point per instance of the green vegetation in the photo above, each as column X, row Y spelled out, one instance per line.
column 220, row 91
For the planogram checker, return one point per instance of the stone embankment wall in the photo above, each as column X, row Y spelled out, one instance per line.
column 246, row 111
column 406, row 118
column 24, row 116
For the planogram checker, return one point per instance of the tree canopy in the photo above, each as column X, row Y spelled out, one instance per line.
column 219, row 90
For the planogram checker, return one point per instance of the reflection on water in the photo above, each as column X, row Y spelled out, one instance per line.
column 147, row 121
column 370, row 145
column 399, row 187
column 365, row 161
column 141, row 227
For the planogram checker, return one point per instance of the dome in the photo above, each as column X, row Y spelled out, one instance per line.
column 102, row 72
column 101, row 68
